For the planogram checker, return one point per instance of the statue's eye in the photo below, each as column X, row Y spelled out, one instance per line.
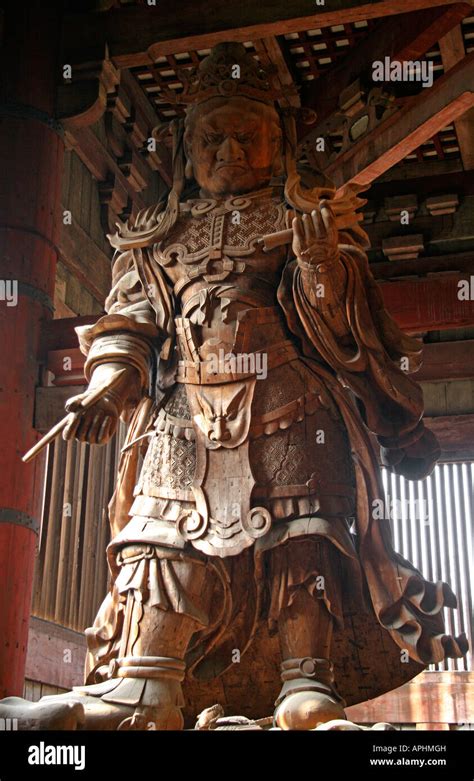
column 214, row 138
column 244, row 138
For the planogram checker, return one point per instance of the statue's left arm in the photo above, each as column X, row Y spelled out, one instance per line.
column 332, row 301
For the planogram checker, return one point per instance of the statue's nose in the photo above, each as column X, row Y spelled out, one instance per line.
column 230, row 151
column 219, row 431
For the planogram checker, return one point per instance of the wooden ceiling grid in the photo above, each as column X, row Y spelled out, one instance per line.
column 309, row 55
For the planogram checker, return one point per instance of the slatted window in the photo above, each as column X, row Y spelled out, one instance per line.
column 432, row 522
column 71, row 577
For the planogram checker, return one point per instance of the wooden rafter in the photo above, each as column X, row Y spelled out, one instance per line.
column 418, row 120
column 137, row 36
column 269, row 52
column 405, row 37
column 452, row 51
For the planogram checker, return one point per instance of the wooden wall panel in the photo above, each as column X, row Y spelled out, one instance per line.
column 71, row 575
column 430, row 698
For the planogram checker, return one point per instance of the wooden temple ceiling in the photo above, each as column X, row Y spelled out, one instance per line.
column 327, row 55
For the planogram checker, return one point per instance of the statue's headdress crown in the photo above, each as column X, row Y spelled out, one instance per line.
column 229, row 71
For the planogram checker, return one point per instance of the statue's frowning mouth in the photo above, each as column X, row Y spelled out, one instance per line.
column 231, row 165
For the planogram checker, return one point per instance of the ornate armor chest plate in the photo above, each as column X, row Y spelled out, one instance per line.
column 214, row 240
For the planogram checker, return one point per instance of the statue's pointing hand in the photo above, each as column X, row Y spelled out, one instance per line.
column 97, row 423
column 315, row 236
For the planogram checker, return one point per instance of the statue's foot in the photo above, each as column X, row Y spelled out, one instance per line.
column 74, row 710
column 97, row 714
column 114, row 704
column 57, row 714
column 305, row 710
column 131, row 704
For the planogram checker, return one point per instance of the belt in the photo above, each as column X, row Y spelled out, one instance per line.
column 200, row 372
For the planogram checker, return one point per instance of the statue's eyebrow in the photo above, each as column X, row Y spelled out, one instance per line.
column 208, row 127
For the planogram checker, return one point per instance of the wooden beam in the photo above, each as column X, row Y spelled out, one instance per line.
column 461, row 261
column 60, row 334
column 460, row 182
column 455, row 433
column 85, row 260
column 418, row 305
column 441, row 361
column 269, row 52
column 429, row 304
column 452, row 51
column 418, row 120
column 405, row 37
column 137, row 36
column 443, row 236
column 83, row 101
column 447, row 361
column 67, row 366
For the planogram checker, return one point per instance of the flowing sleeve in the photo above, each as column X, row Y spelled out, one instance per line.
column 138, row 326
column 350, row 330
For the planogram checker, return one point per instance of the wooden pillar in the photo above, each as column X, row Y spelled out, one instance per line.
column 31, row 163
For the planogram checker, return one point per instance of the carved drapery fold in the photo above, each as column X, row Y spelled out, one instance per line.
column 366, row 358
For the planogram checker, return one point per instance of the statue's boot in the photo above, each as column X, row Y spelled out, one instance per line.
column 145, row 690
column 141, row 689
column 144, row 694
column 50, row 713
column 308, row 696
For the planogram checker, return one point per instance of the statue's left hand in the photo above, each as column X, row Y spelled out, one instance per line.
column 315, row 236
column 416, row 461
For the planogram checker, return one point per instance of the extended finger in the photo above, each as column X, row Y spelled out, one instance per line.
column 87, row 421
column 289, row 217
column 298, row 232
column 107, row 430
column 96, row 425
column 329, row 222
column 309, row 232
column 318, row 222
column 69, row 431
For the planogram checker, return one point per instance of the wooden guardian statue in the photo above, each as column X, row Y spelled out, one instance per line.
column 249, row 566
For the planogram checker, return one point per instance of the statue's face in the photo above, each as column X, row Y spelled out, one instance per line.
column 233, row 145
